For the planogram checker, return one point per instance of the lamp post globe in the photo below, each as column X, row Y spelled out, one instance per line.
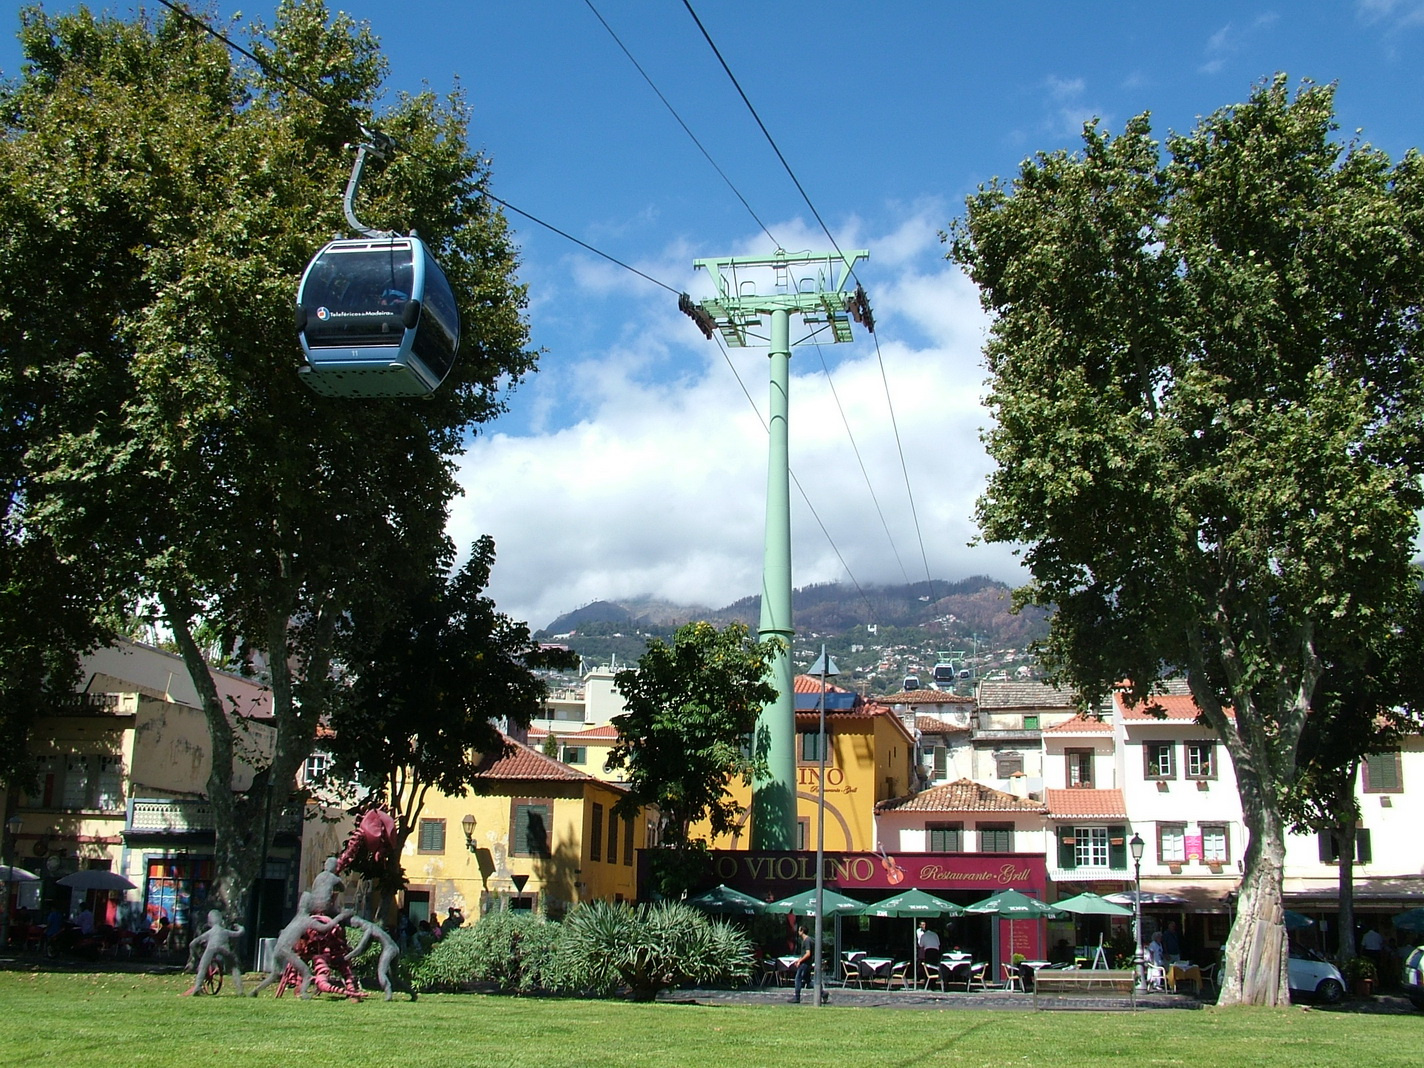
column 1136, row 846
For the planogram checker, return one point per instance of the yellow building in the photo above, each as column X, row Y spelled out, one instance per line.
column 868, row 759
column 122, row 773
column 586, row 749
column 534, row 833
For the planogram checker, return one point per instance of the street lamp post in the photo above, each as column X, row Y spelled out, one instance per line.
column 1136, row 846
column 12, row 835
column 822, row 668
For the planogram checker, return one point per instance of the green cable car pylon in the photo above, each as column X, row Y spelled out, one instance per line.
column 813, row 286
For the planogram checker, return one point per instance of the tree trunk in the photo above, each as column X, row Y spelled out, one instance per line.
column 1255, row 969
column 1345, row 949
column 234, row 867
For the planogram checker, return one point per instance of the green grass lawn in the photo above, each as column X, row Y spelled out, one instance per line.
column 103, row 1020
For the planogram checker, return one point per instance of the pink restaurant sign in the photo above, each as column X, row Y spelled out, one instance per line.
column 987, row 873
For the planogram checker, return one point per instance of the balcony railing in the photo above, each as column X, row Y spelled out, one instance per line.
column 171, row 815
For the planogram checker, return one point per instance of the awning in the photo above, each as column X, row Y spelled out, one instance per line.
column 1198, row 898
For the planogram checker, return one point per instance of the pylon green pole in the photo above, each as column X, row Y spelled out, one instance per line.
column 774, row 792
column 813, row 286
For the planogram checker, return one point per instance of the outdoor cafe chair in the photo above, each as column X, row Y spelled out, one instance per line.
column 850, row 973
column 1012, row 979
column 897, row 974
column 955, row 972
column 976, row 975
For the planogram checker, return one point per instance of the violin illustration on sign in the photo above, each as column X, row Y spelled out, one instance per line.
column 894, row 874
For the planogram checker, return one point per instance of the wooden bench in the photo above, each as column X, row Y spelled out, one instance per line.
column 1085, row 983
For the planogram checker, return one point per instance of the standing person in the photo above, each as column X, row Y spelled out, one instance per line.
column 927, row 944
column 1372, row 946
column 1171, row 942
column 803, row 962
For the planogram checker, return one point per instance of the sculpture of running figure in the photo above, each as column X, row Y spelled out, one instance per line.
column 285, row 954
column 325, row 888
column 216, row 942
column 390, row 953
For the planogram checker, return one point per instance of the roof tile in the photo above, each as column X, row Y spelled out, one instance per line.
column 963, row 795
column 1091, row 804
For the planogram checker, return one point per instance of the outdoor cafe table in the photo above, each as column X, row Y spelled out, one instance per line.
column 1026, row 970
column 875, row 969
column 1182, row 972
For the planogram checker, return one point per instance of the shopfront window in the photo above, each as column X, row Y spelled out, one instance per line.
column 177, row 887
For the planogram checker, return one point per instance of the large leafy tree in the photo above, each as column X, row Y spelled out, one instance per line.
column 690, row 709
column 1204, row 372
column 435, row 675
column 158, row 201
column 1366, row 700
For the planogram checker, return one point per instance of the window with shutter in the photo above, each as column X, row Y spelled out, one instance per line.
column 1382, row 773
column 595, row 843
column 1080, row 767
column 529, row 831
column 1160, row 760
column 995, row 837
column 431, row 836
column 1171, row 843
column 946, row 837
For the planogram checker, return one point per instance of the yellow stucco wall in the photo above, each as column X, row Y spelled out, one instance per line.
column 868, row 760
column 457, row 876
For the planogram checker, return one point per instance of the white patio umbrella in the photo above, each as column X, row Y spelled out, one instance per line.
column 11, row 874
column 96, row 879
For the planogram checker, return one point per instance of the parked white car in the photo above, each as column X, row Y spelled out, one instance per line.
column 1312, row 975
column 1414, row 977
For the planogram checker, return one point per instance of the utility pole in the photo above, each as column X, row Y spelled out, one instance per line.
column 756, row 298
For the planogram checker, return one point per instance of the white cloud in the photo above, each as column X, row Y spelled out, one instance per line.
column 659, row 486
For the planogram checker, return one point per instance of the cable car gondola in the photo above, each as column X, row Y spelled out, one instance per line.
column 375, row 314
column 377, row 319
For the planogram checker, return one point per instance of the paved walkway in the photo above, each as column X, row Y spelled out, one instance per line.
column 880, row 998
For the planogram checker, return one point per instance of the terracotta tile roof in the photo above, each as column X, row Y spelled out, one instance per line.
column 1172, row 707
column 1089, row 804
column 606, row 732
column 812, row 684
column 811, row 719
column 930, row 725
column 963, row 795
column 1020, row 694
column 521, row 762
column 922, row 697
column 1080, row 724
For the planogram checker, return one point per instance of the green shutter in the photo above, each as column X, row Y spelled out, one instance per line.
column 1067, row 857
column 1362, row 845
column 1117, row 847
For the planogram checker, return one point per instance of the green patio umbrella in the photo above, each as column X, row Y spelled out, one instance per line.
column 913, row 903
column 1089, row 904
column 1011, row 905
column 804, row 904
column 1413, row 920
column 724, row 899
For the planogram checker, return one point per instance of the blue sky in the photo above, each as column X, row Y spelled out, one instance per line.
column 633, row 464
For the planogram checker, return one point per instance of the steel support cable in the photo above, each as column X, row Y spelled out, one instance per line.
column 870, row 488
column 184, row 13
column 870, row 608
column 827, row 230
column 685, row 129
column 281, row 76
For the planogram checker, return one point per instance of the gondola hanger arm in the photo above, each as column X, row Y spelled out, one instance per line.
column 375, row 144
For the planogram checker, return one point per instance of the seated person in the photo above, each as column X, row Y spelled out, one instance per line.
column 1062, row 953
